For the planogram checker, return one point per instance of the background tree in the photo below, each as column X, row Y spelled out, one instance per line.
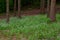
column 14, row 7
column 19, row 11
column 48, row 8
column 7, row 10
column 52, row 14
column 42, row 6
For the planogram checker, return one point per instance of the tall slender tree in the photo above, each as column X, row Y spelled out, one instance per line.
column 14, row 7
column 42, row 6
column 53, row 11
column 7, row 10
column 19, row 11
column 48, row 7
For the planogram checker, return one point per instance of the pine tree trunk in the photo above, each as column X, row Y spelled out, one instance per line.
column 19, row 11
column 42, row 6
column 7, row 10
column 14, row 7
column 48, row 8
column 53, row 11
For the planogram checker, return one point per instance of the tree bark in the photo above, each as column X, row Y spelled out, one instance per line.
column 42, row 6
column 14, row 7
column 7, row 10
column 48, row 8
column 53, row 11
column 19, row 11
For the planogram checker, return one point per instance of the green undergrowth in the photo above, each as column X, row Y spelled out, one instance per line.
column 33, row 27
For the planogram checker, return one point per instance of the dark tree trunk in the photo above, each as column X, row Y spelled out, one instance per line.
column 14, row 7
column 7, row 10
column 53, row 11
column 48, row 8
column 19, row 11
column 42, row 6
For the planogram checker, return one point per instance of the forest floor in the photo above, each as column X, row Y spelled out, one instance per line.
column 23, row 13
column 28, row 12
column 34, row 27
column 30, row 27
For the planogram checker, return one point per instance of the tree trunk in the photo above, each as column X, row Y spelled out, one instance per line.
column 19, row 11
column 42, row 6
column 14, row 7
column 7, row 10
column 48, row 8
column 53, row 11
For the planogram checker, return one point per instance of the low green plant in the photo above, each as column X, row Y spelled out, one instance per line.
column 31, row 27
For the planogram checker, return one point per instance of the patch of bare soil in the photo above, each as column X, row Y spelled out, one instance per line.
column 11, row 37
column 29, row 12
column 2, row 37
column 24, row 13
